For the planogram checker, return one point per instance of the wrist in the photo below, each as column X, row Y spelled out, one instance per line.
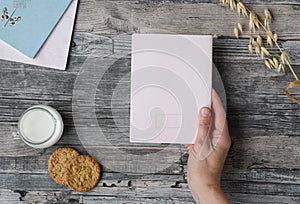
column 211, row 194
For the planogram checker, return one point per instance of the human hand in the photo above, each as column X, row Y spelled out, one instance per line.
column 204, row 173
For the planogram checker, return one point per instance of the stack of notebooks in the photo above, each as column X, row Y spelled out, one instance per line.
column 37, row 32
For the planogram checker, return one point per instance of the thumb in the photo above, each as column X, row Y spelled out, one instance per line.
column 203, row 125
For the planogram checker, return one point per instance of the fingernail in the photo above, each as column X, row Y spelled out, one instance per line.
column 205, row 112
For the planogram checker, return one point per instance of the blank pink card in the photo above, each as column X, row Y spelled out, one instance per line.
column 171, row 77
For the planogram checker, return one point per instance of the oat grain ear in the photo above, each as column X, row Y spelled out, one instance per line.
column 259, row 40
column 236, row 32
column 240, row 27
column 271, row 38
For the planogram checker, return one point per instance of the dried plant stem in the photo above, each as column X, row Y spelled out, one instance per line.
column 293, row 72
column 280, row 49
column 256, row 43
column 290, row 96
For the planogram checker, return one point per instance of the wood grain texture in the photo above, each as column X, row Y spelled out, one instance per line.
column 263, row 163
column 188, row 17
column 245, row 170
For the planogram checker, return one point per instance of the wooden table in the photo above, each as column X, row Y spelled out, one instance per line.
column 263, row 165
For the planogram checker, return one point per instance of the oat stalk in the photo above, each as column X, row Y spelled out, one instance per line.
column 257, row 43
column 284, row 56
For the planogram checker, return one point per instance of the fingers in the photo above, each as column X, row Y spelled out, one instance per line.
column 217, row 129
column 204, row 124
column 220, row 115
column 221, row 138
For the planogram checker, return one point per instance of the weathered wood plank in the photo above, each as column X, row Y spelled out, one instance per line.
column 145, row 188
column 191, row 17
column 240, row 198
column 281, row 152
column 8, row 196
column 11, row 197
column 42, row 89
column 250, row 170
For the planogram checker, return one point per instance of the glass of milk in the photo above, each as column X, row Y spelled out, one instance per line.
column 40, row 126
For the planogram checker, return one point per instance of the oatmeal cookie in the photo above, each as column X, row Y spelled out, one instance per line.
column 58, row 163
column 83, row 173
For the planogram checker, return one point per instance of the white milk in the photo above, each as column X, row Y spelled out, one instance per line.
column 40, row 126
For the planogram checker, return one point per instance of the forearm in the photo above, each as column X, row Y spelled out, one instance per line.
column 210, row 194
